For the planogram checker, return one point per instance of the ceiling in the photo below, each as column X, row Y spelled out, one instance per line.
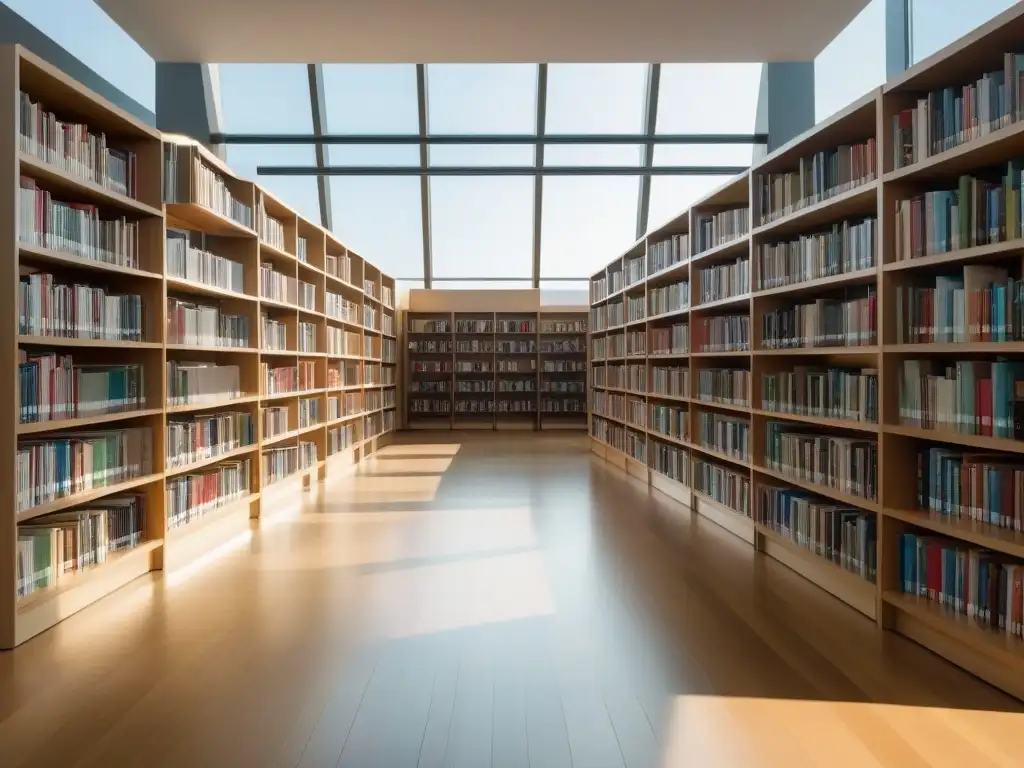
column 428, row 31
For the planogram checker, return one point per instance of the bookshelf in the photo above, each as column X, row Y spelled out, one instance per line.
column 514, row 365
column 173, row 350
column 883, row 331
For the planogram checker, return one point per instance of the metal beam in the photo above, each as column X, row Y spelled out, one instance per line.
column 499, row 170
column 538, row 162
column 647, row 159
column 506, row 139
column 421, row 101
column 317, row 105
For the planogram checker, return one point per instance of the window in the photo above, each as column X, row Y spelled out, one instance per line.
column 379, row 218
column 482, row 98
column 852, row 64
column 482, row 226
column 596, row 98
column 371, row 98
column 708, row 98
column 671, row 195
column 586, row 222
column 480, row 285
column 298, row 192
column 265, row 98
column 937, row 23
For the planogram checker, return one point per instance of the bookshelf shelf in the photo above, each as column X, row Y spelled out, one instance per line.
column 1004, row 250
column 181, row 214
column 970, row 348
column 821, row 490
column 856, row 201
column 1005, row 540
column 853, row 426
column 1004, row 445
column 730, row 302
column 736, row 247
column 720, row 455
column 860, row 277
column 818, row 351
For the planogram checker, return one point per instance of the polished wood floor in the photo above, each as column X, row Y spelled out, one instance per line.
column 489, row 600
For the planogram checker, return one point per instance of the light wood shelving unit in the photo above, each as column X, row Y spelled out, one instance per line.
column 469, row 367
column 365, row 372
column 992, row 654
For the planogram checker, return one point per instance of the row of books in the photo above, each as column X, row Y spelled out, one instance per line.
column 949, row 117
column 370, row 316
column 730, row 386
column 972, row 397
column 473, row 366
column 608, row 404
column 608, row 432
column 188, row 259
column 673, row 340
column 55, row 546
column 201, row 382
column 74, row 149
column 517, row 385
column 636, row 378
column 205, row 325
column 271, row 230
column 981, row 305
column 670, row 460
column 846, row 247
column 636, row 446
column 342, row 342
column 302, row 249
column 205, row 436
column 274, row 422
column 668, row 298
column 667, row 253
column 725, row 434
column 565, row 387
column 672, row 380
column 276, row 286
column 429, row 405
column 75, row 228
column 516, row 326
column 635, row 270
column 339, row 267
column 64, row 464
column 563, row 366
column 342, row 437
column 337, row 307
column 474, row 326
column 636, row 343
column 52, row 388
column 979, row 211
column 49, row 308
column 307, row 296
column 564, row 346
column 714, row 229
column 986, row 488
column 985, row 586
column 723, row 281
column 563, row 326
column 722, row 484
column 432, row 366
column 204, row 185
column 516, row 347
column 599, row 289
column 846, row 536
column 192, row 496
column 635, row 308
column 669, row 420
column 850, row 394
column 289, row 378
column 727, row 333
column 305, row 334
column 478, row 385
column 431, row 346
column 474, row 347
column 823, row 323
column 820, row 176
column 562, row 405
column 846, row 464
column 279, row 463
column 273, row 334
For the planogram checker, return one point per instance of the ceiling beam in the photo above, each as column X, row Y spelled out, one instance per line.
column 317, row 105
column 538, row 163
column 422, row 171
column 500, row 170
column 647, row 151
column 505, row 139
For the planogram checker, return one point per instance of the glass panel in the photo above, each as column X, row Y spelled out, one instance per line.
column 480, row 285
column 371, row 98
column 482, row 98
column 379, row 218
column 265, row 98
column 708, row 98
column 586, row 222
column 852, row 64
column 372, row 154
column 567, row 293
column 88, row 34
column 704, row 154
column 482, row 226
column 299, row 192
column 937, row 23
column 596, row 98
column 592, row 154
column 481, row 155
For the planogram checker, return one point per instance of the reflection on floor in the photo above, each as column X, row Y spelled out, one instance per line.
column 475, row 600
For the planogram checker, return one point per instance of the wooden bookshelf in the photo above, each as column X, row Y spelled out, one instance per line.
column 159, row 201
column 879, row 355
column 493, row 359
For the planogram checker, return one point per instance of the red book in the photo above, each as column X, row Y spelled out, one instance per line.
column 934, row 570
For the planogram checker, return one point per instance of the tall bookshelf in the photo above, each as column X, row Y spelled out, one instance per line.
column 918, row 254
column 521, row 367
column 187, row 423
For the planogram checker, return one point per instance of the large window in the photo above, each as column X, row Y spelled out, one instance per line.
column 379, row 218
column 852, row 64
column 937, row 23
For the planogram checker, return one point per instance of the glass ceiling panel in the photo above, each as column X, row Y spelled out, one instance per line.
column 703, row 154
column 480, row 285
column 592, row 154
column 265, row 98
column 596, row 98
column 379, row 218
column 852, row 64
column 708, row 98
column 482, row 98
column 371, row 98
column 671, row 195
column 586, row 221
column 937, row 23
column 482, row 226
column 481, row 155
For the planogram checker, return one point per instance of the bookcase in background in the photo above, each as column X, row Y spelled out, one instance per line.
column 172, row 368
column 493, row 359
column 874, row 336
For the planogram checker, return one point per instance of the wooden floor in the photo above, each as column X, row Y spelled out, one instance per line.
column 479, row 600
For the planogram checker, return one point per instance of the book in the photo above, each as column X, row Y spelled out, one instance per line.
column 850, row 394
column 276, row 286
column 51, row 387
column 669, row 420
column 194, row 495
column 671, row 461
column 666, row 253
column 636, row 378
column 849, row 246
column 271, row 231
column 723, row 485
column 49, row 308
column 201, row 382
column 673, row 380
column 673, row 340
column 823, row 323
column 189, row 258
column 309, row 412
column 726, row 333
column 846, row 464
column 202, row 437
column 668, row 298
column 273, row 334
column 714, row 229
column 730, row 386
column 274, row 421
column 205, row 325
column 726, row 434
column 724, row 281
column 959, row 484
column 635, row 270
